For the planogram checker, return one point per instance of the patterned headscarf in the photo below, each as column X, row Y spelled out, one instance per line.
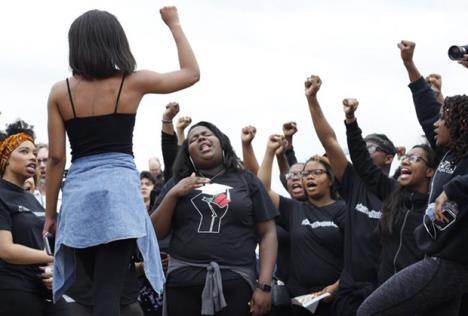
column 8, row 145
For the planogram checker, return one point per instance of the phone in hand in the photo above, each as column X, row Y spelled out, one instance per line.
column 49, row 242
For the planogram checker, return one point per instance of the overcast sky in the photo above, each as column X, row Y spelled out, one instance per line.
column 254, row 57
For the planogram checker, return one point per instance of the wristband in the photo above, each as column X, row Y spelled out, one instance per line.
column 263, row 286
column 166, row 121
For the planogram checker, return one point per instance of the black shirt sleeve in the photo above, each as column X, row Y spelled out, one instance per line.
column 372, row 176
column 169, row 151
column 166, row 188
column 286, row 208
column 5, row 218
column 427, row 108
column 290, row 156
column 340, row 216
column 263, row 207
column 457, row 189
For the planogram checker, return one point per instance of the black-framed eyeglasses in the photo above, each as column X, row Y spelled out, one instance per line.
column 314, row 172
column 292, row 175
column 413, row 158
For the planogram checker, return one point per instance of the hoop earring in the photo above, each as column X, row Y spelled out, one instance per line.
column 193, row 165
column 224, row 158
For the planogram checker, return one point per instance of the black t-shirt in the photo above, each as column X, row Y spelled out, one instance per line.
column 217, row 221
column 284, row 256
column 316, row 237
column 18, row 210
column 362, row 242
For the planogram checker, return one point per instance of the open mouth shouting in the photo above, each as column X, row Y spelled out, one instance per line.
column 31, row 168
column 405, row 174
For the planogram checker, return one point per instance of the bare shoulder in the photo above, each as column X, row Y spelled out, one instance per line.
column 57, row 90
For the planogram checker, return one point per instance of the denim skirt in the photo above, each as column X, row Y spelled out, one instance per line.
column 101, row 203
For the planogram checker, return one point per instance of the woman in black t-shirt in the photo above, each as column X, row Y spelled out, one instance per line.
column 315, row 226
column 25, row 274
column 215, row 210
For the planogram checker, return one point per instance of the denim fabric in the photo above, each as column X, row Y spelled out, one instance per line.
column 101, row 202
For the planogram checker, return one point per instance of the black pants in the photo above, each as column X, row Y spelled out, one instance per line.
column 106, row 266
column 20, row 303
column 186, row 301
column 432, row 286
column 77, row 309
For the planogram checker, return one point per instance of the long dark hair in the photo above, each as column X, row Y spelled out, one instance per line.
column 455, row 113
column 98, row 46
column 394, row 204
column 183, row 167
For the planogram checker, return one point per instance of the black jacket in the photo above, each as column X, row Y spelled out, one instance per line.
column 451, row 178
column 399, row 248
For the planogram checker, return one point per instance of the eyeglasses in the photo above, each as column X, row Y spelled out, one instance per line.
column 412, row 158
column 372, row 148
column 314, row 172
column 293, row 174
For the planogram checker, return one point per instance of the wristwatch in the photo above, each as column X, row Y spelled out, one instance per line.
column 264, row 287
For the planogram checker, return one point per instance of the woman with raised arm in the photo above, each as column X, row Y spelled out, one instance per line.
column 315, row 226
column 434, row 285
column 25, row 274
column 103, row 217
column 216, row 213
column 404, row 200
column 361, row 241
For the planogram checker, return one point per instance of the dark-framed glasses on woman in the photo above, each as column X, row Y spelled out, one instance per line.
column 314, row 172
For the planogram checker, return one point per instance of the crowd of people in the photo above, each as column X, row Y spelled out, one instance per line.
column 208, row 234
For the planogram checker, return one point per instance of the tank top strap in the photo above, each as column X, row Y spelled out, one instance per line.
column 118, row 95
column 70, row 98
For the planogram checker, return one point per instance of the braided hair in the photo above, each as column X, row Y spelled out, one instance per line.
column 455, row 113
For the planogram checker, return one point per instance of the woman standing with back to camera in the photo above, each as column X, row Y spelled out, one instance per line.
column 102, row 216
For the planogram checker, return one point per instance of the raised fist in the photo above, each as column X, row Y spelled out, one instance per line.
column 407, row 50
column 350, row 106
column 435, row 81
column 276, row 143
column 248, row 134
column 312, row 86
column 289, row 129
column 169, row 15
column 400, row 151
column 171, row 111
column 183, row 122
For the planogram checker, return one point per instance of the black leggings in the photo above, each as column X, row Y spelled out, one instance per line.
column 20, row 303
column 186, row 301
column 107, row 266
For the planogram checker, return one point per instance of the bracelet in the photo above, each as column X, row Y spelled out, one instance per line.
column 166, row 121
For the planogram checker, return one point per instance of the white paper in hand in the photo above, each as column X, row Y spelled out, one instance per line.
column 309, row 301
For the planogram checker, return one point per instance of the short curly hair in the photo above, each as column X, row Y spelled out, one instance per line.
column 20, row 126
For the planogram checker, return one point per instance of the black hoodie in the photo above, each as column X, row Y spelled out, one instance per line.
column 399, row 248
column 451, row 178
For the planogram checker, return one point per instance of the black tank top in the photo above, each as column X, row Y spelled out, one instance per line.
column 101, row 133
